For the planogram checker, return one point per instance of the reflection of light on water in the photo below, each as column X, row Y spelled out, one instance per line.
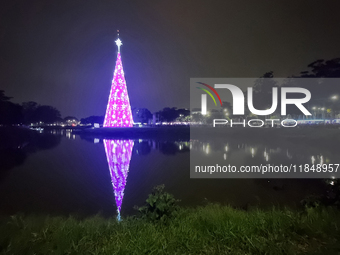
column 313, row 159
column 74, row 137
column 288, row 155
column 255, row 150
column 207, row 149
column 266, row 155
column 118, row 154
column 118, row 217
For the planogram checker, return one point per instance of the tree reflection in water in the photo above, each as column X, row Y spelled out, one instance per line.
column 17, row 143
column 118, row 154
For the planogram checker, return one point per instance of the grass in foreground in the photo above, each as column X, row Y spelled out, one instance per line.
column 212, row 229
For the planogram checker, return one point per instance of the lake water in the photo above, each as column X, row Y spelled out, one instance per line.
column 67, row 174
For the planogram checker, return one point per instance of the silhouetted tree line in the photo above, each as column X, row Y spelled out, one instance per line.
column 10, row 113
column 170, row 114
column 26, row 113
column 322, row 68
column 141, row 115
column 92, row 119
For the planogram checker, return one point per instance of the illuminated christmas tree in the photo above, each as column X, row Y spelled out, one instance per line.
column 118, row 154
column 118, row 111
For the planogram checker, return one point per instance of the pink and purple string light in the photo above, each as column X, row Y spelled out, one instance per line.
column 118, row 154
column 118, row 111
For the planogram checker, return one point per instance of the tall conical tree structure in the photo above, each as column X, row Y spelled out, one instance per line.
column 118, row 111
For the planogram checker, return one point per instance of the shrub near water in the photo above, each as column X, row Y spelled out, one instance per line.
column 212, row 229
column 159, row 206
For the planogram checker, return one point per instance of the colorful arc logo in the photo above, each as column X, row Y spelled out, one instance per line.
column 204, row 97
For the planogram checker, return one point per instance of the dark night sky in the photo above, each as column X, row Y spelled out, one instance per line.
column 62, row 53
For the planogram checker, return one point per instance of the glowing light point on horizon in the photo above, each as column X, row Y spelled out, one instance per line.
column 118, row 111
